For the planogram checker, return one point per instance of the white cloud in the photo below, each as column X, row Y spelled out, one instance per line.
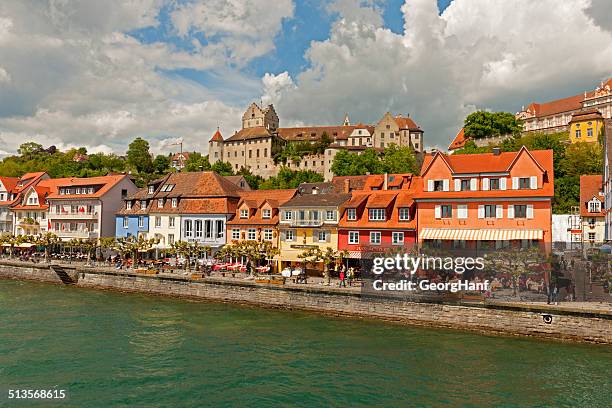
column 77, row 78
column 442, row 67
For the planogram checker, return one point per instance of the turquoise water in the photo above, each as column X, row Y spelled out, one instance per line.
column 110, row 349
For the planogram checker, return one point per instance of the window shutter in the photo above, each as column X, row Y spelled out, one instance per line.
column 502, row 183
column 438, row 212
column 282, row 235
column 445, row 184
column 457, row 185
column 533, row 183
column 327, row 237
column 430, row 185
column 499, row 210
column 474, row 184
column 530, row 211
column 510, row 211
column 485, row 183
column 462, row 211
column 481, row 212
column 515, row 183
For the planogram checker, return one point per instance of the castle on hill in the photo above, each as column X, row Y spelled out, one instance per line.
column 261, row 139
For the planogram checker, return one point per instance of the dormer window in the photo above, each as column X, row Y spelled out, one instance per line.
column 128, row 205
column 376, row 214
column 351, row 214
column 174, row 202
column 160, row 203
column 266, row 213
column 244, row 213
column 404, row 214
column 594, row 206
column 143, row 204
column 151, row 189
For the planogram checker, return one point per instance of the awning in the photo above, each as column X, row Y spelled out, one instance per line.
column 480, row 234
column 25, row 245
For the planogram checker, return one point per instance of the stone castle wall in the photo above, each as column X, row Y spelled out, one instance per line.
column 519, row 320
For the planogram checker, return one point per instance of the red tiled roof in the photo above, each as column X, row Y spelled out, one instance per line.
column 459, row 141
column 106, row 183
column 250, row 133
column 405, row 122
column 9, row 183
column 390, row 200
column 217, row 137
column 309, row 133
column 181, row 156
column 590, row 114
column 591, row 186
column 256, row 200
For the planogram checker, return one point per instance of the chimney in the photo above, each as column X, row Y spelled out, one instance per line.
column 386, row 181
column 347, row 186
column 496, row 151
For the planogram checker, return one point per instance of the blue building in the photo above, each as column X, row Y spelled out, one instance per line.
column 131, row 225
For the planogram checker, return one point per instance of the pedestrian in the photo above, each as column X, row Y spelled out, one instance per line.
column 556, row 294
column 342, row 278
column 351, row 276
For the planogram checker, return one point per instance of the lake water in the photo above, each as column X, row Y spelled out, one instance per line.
column 110, row 349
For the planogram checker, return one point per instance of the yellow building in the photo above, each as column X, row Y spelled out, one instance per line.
column 309, row 220
column 586, row 126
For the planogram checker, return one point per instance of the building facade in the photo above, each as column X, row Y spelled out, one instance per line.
column 607, row 178
column 586, row 126
column 555, row 116
column 592, row 210
column 255, row 146
column 85, row 208
column 486, row 201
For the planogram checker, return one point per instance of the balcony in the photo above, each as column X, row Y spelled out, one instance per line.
column 76, row 234
column 306, row 223
column 74, row 216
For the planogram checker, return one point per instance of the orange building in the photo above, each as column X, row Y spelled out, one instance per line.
column 486, row 201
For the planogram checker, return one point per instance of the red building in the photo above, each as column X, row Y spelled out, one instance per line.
column 380, row 218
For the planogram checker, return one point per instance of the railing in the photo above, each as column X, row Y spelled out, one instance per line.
column 76, row 234
column 306, row 223
column 73, row 216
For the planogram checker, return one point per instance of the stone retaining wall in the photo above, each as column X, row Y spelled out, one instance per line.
column 570, row 325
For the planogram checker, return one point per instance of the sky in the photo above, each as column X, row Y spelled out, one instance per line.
column 99, row 74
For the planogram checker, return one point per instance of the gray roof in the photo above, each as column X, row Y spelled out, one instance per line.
column 318, row 200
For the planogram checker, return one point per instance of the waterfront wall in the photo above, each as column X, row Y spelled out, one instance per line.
column 520, row 320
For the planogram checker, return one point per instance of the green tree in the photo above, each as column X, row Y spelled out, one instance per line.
column 582, row 158
column 329, row 256
column 139, row 157
column 482, row 124
column 353, row 164
column 471, row 148
column 197, row 162
column 30, row 149
column 223, row 168
column 252, row 180
column 399, row 160
column 47, row 240
column 288, row 178
column 161, row 164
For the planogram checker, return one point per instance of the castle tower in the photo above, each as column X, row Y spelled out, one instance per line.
column 347, row 121
column 258, row 117
column 215, row 148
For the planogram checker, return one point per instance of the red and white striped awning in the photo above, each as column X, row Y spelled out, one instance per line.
column 480, row 234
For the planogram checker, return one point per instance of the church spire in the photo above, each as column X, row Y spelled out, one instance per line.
column 347, row 121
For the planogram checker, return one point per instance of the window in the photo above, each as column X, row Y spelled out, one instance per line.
column 404, row 214
column 594, row 206
column 438, row 185
column 266, row 213
column 174, row 202
column 375, row 238
column 465, row 185
column 590, row 132
column 158, row 221
column 287, row 215
column 397, row 238
column 124, row 192
column 351, row 214
column 267, row 235
column 188, row 228
column 151, row 189
column 141, row 221
column 289, row 235
column 591, row 236
column 353, row 237
column 490, row 211
column 126, row 221
column 128, row 205
column 330, row 215
column 252, row 234
column 143, row 204
column 171, row 222
column 170, row 239
column 376, row 214
column 160, row 203
column 208, row 232
column 198, row 228
column 446, row 211
column 167, row 187
column 494, row 184
column 244, row 213
column 524, row 183
column 520, row 211
column 235, row 234
column 322, row 236
column 578, row 133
